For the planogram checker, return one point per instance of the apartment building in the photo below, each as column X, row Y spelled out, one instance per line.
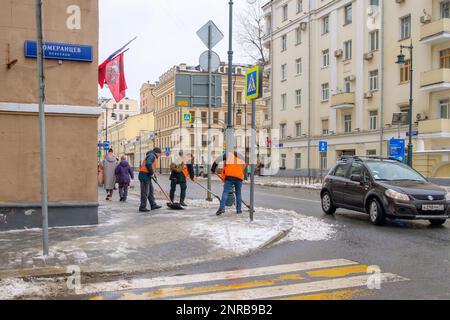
column 169, row 122
column 147, row 101
column 334, row 77
column 113, row 112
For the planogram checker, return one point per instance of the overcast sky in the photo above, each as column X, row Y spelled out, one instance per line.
column 166, row 31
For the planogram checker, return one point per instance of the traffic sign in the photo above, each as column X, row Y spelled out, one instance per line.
column 253, row 82
column 414, row 133
column 397, row 149
column 168, row 151
column 187, row 117
column 216, row 34
column 323, row 146
column 215, row 61
column 106, row 145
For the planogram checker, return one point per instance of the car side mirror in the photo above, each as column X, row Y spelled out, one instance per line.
column 356, row 178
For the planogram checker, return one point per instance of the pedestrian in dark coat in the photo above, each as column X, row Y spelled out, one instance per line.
column 124, row 175
column 179, row 174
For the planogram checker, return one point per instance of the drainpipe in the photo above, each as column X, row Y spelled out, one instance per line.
column 382, row 80
column 309, row 87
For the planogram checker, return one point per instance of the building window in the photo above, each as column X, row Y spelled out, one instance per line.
column 325, row 25
column 405, row 71
column 374, row 40
column 204, row 117
column 215, row 118
column 283, row 131
column 445, row 59
column 238, row 119
column 371, row 152
column 283, row 161
column 374, row 2
column 373, row 120
column 239, row 97
column 284, row 72
column 445, row 110
column 121, row 107
column 405, row 27
column 445, row 9
column 121, row 117
column 298, row 129
column 298, row 95
column 325, row 128
column 348, row 14
column 325, row 92
column 348, row 86
column 284, row 42
column 298, row 161
column 283, row 101
column 325, row 58
column 298, row 36
column 299, row 6
column 285, row 12
column 348, row 123
column 127, row 107
column 373, row 80
column 348, row 50
column 298, row 66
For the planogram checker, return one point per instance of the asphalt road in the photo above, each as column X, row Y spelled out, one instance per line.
column 410, row 249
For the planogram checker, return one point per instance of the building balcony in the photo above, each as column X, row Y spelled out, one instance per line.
column 266, row 40
column 343, row 100
column 435, row 32
column 435, row 126
column 435, row 80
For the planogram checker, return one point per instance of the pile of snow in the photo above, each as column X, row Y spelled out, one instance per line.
column 282, row 184
column 13, row 288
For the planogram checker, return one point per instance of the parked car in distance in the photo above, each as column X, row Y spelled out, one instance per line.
column 383, row 188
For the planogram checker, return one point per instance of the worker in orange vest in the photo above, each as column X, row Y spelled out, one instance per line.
column 146, row 174
column 233, row 174
column 179, row 174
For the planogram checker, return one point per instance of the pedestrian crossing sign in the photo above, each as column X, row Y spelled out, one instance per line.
column 253, row 82
column 187, row 117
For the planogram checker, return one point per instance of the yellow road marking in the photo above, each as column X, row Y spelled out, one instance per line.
column 175, row 292
column 337, row 272
column 335, row 295
column 97, row 298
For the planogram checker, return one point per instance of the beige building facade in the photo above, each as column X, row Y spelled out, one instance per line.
column 71, row 117
column 147, row 98
column 334, row 78
column 169, row 122
column 132, row 137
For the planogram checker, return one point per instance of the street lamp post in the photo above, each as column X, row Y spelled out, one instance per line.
column 401, row 61
column 230, row 131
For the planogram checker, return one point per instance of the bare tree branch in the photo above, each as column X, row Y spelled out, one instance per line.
column 250, row 32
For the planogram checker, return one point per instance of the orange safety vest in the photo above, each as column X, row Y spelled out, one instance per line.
column 234, row 169
column 185, row 170
column 144, row 166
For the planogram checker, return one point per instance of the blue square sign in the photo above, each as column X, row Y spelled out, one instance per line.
column 323, row 146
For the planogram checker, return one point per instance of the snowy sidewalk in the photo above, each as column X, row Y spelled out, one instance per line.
column 126, row 241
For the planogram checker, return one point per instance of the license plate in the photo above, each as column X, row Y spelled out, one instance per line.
column 433, row 207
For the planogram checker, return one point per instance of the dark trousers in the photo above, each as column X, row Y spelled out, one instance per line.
column 173, row 188
column 147, row 194
column 123, row 191
column 226, row 193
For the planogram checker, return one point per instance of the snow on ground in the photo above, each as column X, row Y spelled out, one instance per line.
column 282, row 184
column 14, row 288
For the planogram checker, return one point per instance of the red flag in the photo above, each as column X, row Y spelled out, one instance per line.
column 112, row 72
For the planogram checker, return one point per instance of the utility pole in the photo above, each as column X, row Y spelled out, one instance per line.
column 41, row 90
column 230, row 131
column 208, row 197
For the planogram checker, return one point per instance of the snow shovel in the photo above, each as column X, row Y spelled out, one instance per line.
column 172, row 205
column 242, row 200
column 204, row 188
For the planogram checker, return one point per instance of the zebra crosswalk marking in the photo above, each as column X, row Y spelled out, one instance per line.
column 214, row 276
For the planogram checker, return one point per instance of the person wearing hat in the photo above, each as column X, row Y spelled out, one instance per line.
column 146, row 173
column 180, row 171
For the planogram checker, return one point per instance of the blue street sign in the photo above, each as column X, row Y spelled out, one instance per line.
column 60, row 51
column 168, row 151
column 414, row 133
column 323, row 146
column 397, row 149
column 106, row 145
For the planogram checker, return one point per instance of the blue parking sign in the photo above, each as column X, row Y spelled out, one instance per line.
column 323, row 146
column 106, row 145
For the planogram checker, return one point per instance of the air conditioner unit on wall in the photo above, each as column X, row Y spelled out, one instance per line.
column 350, row 78
column 425, row 19
column 421, row 116
column 338, row 53
column 303, row 26
column 368, row 95
column 399, row 1
column 368, row 56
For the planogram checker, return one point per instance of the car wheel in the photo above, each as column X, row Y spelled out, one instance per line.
column 376, row 213
column 327, row 204
column 437, row 222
